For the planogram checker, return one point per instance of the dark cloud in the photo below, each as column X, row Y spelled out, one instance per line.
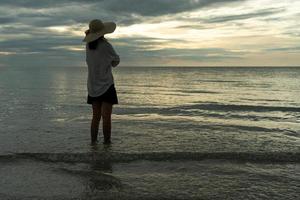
column 159, row 7
column 260, row 13
column 192, row 26
column 169, row 55
column 143, row 48
column 6, row 20
column 41, row 51
column 124, row 12
column 69, row 14
column 24, row 30
column 285, row 49
column 147, row 7
column 295, row 33
column 42, row 3
column 196, row 53
column 38, row 43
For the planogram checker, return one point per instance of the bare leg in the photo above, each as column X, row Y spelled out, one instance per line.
column 106, row 111
column 95, row 121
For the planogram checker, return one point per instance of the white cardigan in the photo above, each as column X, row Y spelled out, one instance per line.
column 100, row 62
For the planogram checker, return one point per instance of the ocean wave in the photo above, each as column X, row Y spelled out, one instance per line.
column 114, row 157
column 236, row 107
column 260, row 99
column 194, row 123
column 198, row 91
column 208, row 107
column 218, row 81
column 251, row 117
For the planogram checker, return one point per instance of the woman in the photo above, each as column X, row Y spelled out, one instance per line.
column 100, row 58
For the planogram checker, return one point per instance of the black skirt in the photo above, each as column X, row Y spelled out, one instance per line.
column 109, row 96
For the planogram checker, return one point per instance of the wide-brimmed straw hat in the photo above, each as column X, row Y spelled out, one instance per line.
column 97, row 28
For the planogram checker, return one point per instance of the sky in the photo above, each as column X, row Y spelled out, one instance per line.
column 153, row 32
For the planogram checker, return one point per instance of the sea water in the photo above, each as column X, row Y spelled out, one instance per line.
column 177, row 133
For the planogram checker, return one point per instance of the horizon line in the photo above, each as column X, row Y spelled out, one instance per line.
column 191, row 66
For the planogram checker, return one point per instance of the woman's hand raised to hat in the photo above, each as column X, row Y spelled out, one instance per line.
column 114, row 63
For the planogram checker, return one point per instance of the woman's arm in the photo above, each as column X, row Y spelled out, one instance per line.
column 115, row 58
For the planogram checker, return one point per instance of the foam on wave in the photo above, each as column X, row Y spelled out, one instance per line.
column 267, row 157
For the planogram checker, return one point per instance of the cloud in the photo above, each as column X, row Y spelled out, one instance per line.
column 159, row 7
column 149, row 31
column 259, row 13
column 38, row 43
column 37, row 4
column 146, row 7
column 285, row 49
column 5, row 20
column 124, row 12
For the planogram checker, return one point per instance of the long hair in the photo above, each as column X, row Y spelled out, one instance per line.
column 93, row 45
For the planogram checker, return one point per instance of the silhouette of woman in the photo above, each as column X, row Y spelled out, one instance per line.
column 100, row 58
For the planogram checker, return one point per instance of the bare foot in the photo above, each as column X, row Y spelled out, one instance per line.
column 107, row 142
column 93, row 143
